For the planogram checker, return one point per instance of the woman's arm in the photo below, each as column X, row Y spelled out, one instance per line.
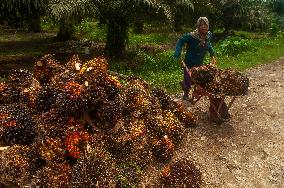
column 181, row 42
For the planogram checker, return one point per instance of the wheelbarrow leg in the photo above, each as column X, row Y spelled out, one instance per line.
column 218, row 110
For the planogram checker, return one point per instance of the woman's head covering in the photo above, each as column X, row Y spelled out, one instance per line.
column 206, row 21
column 195, row 33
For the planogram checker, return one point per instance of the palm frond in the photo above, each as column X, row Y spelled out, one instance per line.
column 59, row 9
column 11, row 5
column 186, row 3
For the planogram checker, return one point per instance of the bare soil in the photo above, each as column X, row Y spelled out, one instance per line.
column 247, row 151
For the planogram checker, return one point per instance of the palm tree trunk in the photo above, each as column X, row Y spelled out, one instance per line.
column 66, row 30
column 34, row 22
column 177, row 21
column 138, row 26
column 117, row 37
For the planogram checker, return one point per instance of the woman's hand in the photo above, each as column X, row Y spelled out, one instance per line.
column 213, row 60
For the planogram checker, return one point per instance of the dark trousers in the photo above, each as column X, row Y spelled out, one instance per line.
column 186, row 80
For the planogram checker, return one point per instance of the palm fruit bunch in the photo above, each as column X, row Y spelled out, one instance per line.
column 163, row 148
column 203, row 75
column 220, row 82
column 165, row 100
column 73, row 98
column 45, row 98
column 50, row 149
column 52, row 123
column 207, row 77
column 135, row 99
column 17, row 81
column 177, row 108
column 172, row 126
column 17, row 125
column 94, row 168
column 95, row 71
column 138, row 137
column 120, row 143
column 51, row 175
column 46, row 68
column 181, row 173
column 234, row 82
column 84, row 126
column 106, row 114
column 74, row 142
column 74, row 64
column 18, row 164
column 187, row 118
column 75, row 138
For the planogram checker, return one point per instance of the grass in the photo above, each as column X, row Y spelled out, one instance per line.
column 267, row 50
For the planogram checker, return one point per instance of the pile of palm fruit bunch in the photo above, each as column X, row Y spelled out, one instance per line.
column 227, row 82
column 80, row 125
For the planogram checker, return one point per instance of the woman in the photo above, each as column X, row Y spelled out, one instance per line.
column 198, row 44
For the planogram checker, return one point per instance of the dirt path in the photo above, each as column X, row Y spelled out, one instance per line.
column 247, row 151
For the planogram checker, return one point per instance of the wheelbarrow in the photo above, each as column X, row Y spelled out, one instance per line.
column 218, row 110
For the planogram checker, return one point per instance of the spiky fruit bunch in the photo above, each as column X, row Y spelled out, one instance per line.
column 133, row 131
column 137, row 129
column 95, row 168
column 99, row 64
column 16, row 165
column 28, row 96
column 135, row 97
column 51, row 149
column 74, row 142
column 97, row 95
column 203, row 74
column 59, row 80
column 120, row 143
column 51, row 175
column 9, row 93
column 74, row 64
column 46, row 68
column 214, row 87
column 234, row 83
column 106, row 114
column 112, row 88
column 113, row 80
column 52, row 123
column 73, row 98
column 164, row 99
column 17, row 82
column 95, row 71
column 171, row 126
column 45, row 98
column 20, row 78
column 153, row 124
column 17, row 125
column 163, row 148
column 186, row 117
column 181, row 173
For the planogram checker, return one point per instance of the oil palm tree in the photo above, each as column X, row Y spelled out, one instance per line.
column 116, row 14
column 17, row 12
